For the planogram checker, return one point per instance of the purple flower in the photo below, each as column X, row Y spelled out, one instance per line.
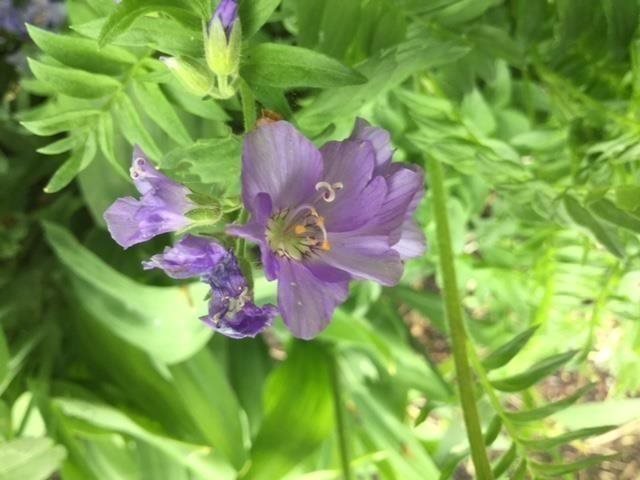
column 231, row 309
column 42, row 13
column 227, row 13
column 162, row 207
column 325, row 217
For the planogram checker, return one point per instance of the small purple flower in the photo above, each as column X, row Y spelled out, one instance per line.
column 325, row 217
column 162, row 207
column 231, row 309
column 227, row 13
column 42, row 13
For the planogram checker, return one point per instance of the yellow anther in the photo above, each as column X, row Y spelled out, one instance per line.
column 326, row 246
column 299, row 229
column 320, row 221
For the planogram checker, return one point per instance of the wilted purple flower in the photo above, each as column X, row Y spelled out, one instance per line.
column 227, row 13
column 162, row 207
column 325, row 217
column 231, row 309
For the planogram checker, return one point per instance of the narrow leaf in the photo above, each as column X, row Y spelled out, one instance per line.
column 132, row 127
column 549, row 443
column 505, row 461
column 505, row 353
column 609, row 212
column 547, row 410
column 493, row 430
column 75, row 83
column 287, row 66
column 67, row 121
column 67, row 172
column 30, row 459
column 536, row 373
column 554, row 470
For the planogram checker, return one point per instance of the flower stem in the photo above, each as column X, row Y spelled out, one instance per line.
column 341, row 426
column 454, row 313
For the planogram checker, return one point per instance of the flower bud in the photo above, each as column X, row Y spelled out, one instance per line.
column 224, row 40
column 191, row 74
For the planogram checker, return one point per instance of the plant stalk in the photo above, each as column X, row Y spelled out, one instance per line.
column 454, row 315
column 341, row 426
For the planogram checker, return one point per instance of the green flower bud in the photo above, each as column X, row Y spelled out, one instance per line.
column 191, row 74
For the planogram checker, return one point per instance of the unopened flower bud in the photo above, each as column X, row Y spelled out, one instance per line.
column 191, row 74
column 223, row 40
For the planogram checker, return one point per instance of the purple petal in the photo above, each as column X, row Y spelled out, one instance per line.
column 248, row 322
column 190, row 257
column 364, row 256
column 306, row 302
column 348, row 168
column 280, row 161
column 227, row 12
column 131, row 221
column 379, row 139
column 412, row 242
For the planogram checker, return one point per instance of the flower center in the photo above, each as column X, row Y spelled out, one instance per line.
column 296, row 234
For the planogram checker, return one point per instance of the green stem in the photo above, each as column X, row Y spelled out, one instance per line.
column 248, row 106
column 453, row 309
column 341, row 425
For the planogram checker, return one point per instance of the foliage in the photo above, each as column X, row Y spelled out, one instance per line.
column 529, row 105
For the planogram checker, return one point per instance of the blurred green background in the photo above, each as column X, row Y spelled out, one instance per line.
column 532, row 108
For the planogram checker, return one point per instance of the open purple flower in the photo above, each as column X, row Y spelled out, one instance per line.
column 325, row 217
column 231, row 309
column 162, row 207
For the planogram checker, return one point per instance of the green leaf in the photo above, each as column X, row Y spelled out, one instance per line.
column 536, row 373
column 60, row 146
column 545, row 411
column 607, row 210
column 549, row 443
column 305, row 413
column 254, row 14
column 554, row 470
column 583, row 217
column 130, row 10
column 286, row 66
column 132, row 127
column 201, row 460
column 628, row 197
column 79, row 160
column 106, row 142
column 75, row 83
column 505, row 461
column 4, row 357
column 162, row 321
column 82, row 53
column 493, row 430
column 162, row 112
column 30, row 459
column 63, row 122
column 503, row 354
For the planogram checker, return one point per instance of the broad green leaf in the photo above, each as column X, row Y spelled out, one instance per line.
column 555, row 470
column 79, row 160
column 200, row 459
column 536, row 373
column 286, row 66
column 339, row 25
column 162, row 112
column 75, row 83
column 130, row 10
column 305, row 413
column 545, row 411
column 63, row 122
column 552, row 442
column 607, row 210
column 584, row 218
column 30, row 459
column 82, row 53
column 503, row 354
column 205, row 391
column 255, row 13
column 163, row 321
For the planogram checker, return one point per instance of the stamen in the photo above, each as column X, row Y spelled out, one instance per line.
column 326, row 246
column 299, row 229
column 329, row 195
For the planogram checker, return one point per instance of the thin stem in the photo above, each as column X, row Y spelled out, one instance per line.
column 453, row 309
column 341, row 426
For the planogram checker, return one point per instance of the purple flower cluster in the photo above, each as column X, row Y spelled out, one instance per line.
column 163, row 207
column 324, row 217
column 42, row 13
column 321, row 217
